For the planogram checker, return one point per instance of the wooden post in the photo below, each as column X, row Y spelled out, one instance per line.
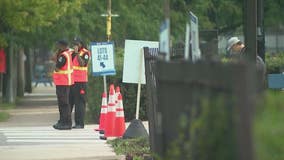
column 250, row 32
column 250, row 29
column 108, row 22
column 108, row 33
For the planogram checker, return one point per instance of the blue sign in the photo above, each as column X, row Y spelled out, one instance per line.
column 103, row 58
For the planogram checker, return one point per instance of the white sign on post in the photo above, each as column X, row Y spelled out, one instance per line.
column 134, row 65
column 103, row 58
column 165, row 38
column 187, row 42
column 195, row 50
column 132, row 59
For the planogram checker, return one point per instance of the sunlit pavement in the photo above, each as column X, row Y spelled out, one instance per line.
column 28, row 134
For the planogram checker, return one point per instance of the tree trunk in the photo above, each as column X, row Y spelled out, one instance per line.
column 1, row 87
column 21, row 72
column 28, row 71
column 9, row 85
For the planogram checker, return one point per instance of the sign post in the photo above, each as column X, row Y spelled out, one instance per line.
column 108, row 33
column 187, row 41
column 194, row 32
column 139, row 84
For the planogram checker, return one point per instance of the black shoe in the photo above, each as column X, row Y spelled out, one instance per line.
column 56, row 125
column 78, row 127
column 61, row 126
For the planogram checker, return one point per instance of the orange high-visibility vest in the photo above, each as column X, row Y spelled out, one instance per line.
column 64, row 75
column 80, row 73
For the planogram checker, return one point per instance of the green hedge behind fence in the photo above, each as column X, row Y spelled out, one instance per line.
column 129, row 92
column 274, row 63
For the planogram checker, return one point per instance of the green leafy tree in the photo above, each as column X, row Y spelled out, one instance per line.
column 273, row 12
column 27, row 16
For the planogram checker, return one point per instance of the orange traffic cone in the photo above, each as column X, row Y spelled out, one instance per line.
column 117, row 92
column 103, row 113
column 119, row 128
column 110, row 118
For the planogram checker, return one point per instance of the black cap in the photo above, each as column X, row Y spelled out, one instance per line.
column 62, row 42
column 77, row 41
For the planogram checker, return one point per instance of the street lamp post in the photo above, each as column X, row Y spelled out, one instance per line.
column 260, row 30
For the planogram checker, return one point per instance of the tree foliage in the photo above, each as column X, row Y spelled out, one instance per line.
column 28, row 21
column 273, row 12
column 218, row 14
column 19, row 17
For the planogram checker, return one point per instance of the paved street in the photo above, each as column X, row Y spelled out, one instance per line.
column 28, row 134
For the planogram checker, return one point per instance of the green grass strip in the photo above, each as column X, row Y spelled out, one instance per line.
column 5, row 106
column 4, row 116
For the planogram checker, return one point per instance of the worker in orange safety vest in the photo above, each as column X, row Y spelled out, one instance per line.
column 63, row 79
column 80, row 58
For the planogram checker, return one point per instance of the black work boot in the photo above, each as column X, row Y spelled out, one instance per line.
column 61, row 126
column 78, row 127
column 56, row 124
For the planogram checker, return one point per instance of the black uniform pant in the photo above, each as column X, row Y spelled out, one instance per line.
column 78, row 98
column 62, row 93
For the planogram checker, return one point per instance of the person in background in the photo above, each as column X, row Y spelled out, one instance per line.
column 236, row 49
column 80, row 58
column 63, row 79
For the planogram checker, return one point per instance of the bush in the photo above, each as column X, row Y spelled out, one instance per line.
column 274, row 63
column 212, row 134
column 208, row 133
column 95, row 90
column 268, row 127
column 132, row 148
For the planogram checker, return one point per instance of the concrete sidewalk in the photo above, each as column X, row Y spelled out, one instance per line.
column 28, row 134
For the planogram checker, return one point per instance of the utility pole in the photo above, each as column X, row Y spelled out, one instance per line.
column 108, row 21
column 108, row 31
column 250, row 33
column 260, row 30
column 250, row 29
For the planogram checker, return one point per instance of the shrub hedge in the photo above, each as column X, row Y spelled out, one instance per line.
column 274, row 63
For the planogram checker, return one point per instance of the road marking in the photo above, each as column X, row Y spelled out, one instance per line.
column 48, row 135
column 52, row 141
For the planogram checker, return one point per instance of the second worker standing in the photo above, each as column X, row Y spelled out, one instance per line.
column 63, row 79
column 80, row 59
